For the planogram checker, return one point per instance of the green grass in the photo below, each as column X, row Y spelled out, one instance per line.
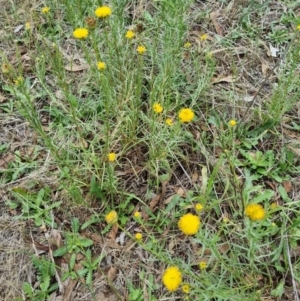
column 79, row 115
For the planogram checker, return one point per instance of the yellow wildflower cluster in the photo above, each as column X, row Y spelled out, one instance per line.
column 111, row 217
column 45, row 10
column 138, row 236
column 103, row 12
column 202, row 265
column 80, row 33
column 186, row 115
column 186, row 289
column 101, row 66
column 232, row 123
column 111, row 157
column 130, row 34
column 141, row 49
column 157, row 108
column 255, row 212
column 189, row 224
column 172, row 278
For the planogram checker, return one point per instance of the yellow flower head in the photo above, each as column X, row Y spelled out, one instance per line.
column 137, row 214
column 199, row 207
column 169, row 121
column 19, row 80
column 138, row 236
column 203, row 37
column 27, row 26
column 157, row 108
column 80, row 33
column 232, row 123
column 111, row 157
column 172, row 278
column 189, row 224
column 103, row 11
column 255, row 212
column 202, row 265
column 111, row 217
column 141, row 49
column 298, row 27
column 130, row 34
column 187, row 45
column 101, row 66
column 186, row 289
column 186, row 115
column 45, row 10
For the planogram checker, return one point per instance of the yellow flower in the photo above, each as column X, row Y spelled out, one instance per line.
column 111, row 157
column 130, row 34
column 273, row 205
column 189, row 224
column 186, row 288
column 101, row 65
column 203, row 37
column 45, row 10
column 169, row 121
column 111, row 217
column 19, row 80
column 137, row 214
column 199, row 207
column 138, row 236
column 27, row 26
column 141, row 49
column 255, row 212
column 298, row 27
column 225, row 220
column 172, row 278
column 202, row 265
column 103, row 11
column 80, row 33
column 187, row 45
column 186, row 115
column 232, row 123
column 157, row 108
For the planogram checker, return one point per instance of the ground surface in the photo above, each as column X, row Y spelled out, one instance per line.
column 241, row 64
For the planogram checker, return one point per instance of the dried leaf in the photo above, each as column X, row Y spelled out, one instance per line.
column 112, row 274
column 227, row 79
column 75, row 68
column 154, row 201
column 264, row 67
column 113, row 232
column 2, row 98
column 5, row 160
column 288, row 186
column 218, row 28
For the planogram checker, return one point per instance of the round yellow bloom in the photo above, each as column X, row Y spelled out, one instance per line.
column 19, row 80
column 137, row 214
column 172, row 278
column 232, row 123
column 187, row 45
column 169, row 121
column 189, row 224
column 130, row 34
column 202, row 265
column 186, row 288
column 101, row 66
column 157, row 108
column 111, row 157
column 199, row 207
column 80, row 33
column 186, row 115
column 27, row 26
column 203, row 37
column 255, row 212
column 103, row 11
column 298, row 27
column 111, row 217
column 141, row 49
column 45, row 10
column 138, row 236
